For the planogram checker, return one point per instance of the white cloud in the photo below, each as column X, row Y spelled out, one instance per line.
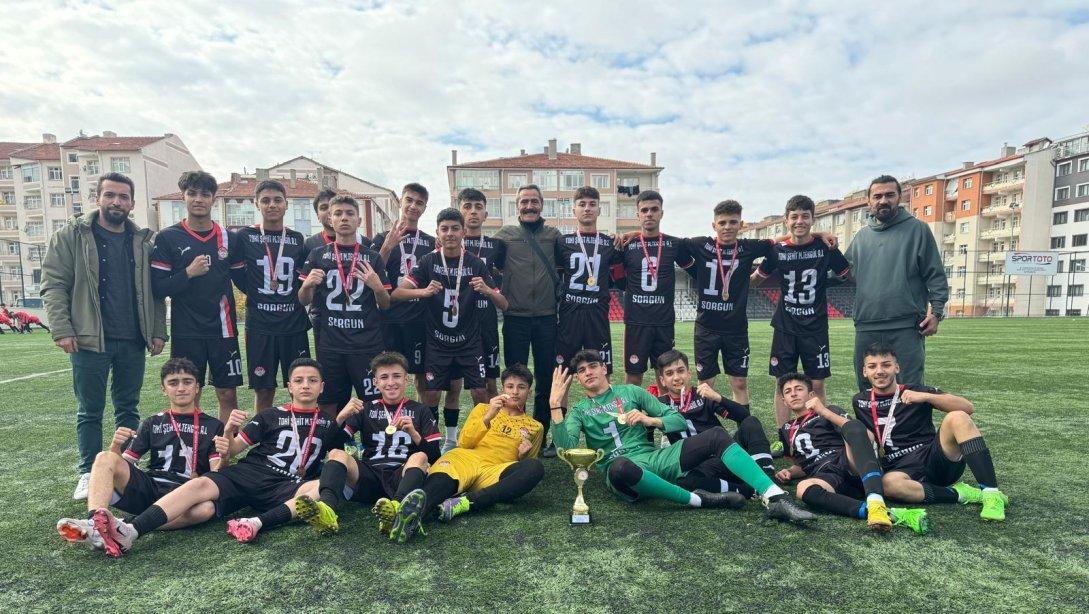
column 754, row 104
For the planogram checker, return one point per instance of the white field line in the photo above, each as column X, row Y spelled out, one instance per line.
column 33, row 375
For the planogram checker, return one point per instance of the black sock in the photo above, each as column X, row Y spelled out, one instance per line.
column 438, row 487
column 750, row 434
column 515, row 481
column 869, row 468
column 412, row 479
column 449, row 416
column 331, row 484
column 152, row 518
column 978, row 458
column 939, row 494
column 281, row 514
column 831, row 502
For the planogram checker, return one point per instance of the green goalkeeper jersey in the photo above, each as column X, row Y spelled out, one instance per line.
column 596, row 417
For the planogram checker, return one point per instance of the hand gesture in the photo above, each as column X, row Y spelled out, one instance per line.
column 314, row 278
column 68, row 344
column 929, row 325
column 635, row 417
column 706, row 391
column 364, row 272
column 814, row 404
column 524, row 446
column 354, row 406
column 223, row 446
column 495, row 405
column 434, row 287
column 404, row 423
column 235, row 421
column 199, row 266
column 910, row 397
column 120, row 436
column 395, row 234
column 783, row 476
column 561, row 382
column 156, row 346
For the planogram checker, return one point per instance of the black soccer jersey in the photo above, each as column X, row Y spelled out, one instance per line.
column 494, row 254
column 171, row 450
column 700, row 413
column 909, row 425
column 585, row 266
column 713, row 312
column 815, row 440
column 320, row 239
column 280, row 445
column 270, row 281
column 345, row 321
column 201, row 307
column 803, row 306
column 455, row 330
column 382, row 449
column 402, row 260
column 650, row 279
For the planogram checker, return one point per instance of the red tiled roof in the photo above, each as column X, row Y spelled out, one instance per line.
column 243, row 188
column 822, row 209
column 41, row 151
column 111, row 143
column 563, row 160
column 7, row 148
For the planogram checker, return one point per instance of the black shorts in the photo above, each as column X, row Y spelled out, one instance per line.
column 927, row 463
column 247, row 484
column 733, row 347
column 584, row 329
column 408, row 338
column 264, row 353
column 441, row 366
column 643, row 345
column 141, row 491
column 812, row 350
column 344, row 372
column 839, row 475
column 219, row 355
column 375, row 482
column 489, row 342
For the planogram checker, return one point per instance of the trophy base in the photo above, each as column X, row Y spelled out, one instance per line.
column 580, row 518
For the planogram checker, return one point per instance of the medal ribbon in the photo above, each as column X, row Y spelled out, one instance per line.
column 291, row 409
column 396, row 414
column 873, row 413
column 273, row 264
column 344, row 279
column 653, row 270
column 683, row 409
column 590, row 272
column 196, row 438
column 401, row 246
column 721, row 269
column 795, row 426
column 457, row 281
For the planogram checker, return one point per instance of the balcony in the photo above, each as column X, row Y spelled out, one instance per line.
column 951, row 195
column 1000, row 233
column 949, row 238
column 1001, row 209
column 1009, row 184
column 994, row 279
column 992, row 257
column 949, row 218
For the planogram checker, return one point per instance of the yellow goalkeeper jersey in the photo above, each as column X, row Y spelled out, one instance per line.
column 499, row 443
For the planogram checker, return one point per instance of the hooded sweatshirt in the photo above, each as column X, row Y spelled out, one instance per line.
column 899, row 271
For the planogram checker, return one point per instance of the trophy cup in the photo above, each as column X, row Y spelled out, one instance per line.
column 580, row 459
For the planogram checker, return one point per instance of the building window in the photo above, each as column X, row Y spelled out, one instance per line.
column 55, row 173
column 565, row 208
column 599, row 181
column 963, row 249
column 605, row 208
column 1073, row 312
column 1083, row 165
column 963, row 227
column 572, row 180
column 546, row 180
column 1059, row 217
column 516, row 180
column 1064, row 169
column 929, row 210
column 626, row 212
column 8, row 198
column 56, row 200
column 1054, row 291
column 549, row 209
column 1051, row 312
column 239, row 213
column 1079, row 240
column 1059, row 266
column 1081, row 190
column 915, row 192
column 5, row 173
column 481, row 180
column 1058, row 242
column 1075, row 290
column 91, row 168
column 962, row 271
column 35, row 229
column 929, row 189
column 1081, row 215
column 120, row 165
column 512, row 206
column 73, row 157
column 73, row 182
column 32, row 173
column 1077, row 266
column 960, row 293
column 968, row 182
column 304, row 213
column 965, row 205
column 839, row 219
column 32, row 202
column 58, row 224
column 1062, row 193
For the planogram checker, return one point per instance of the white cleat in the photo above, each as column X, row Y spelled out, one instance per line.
column 80, row 531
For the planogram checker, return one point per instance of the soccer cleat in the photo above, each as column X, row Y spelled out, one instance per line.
column 317, row 514
column 448, row 444
column 877, row 516
column 117, row 537
column 782, row 507
column 83, row 486
column 777, row 449
column 386, row 510
column 994, row 505
column 914, row 518
column 80, row 531
column 967, row 493
column 716, row 500
column 549, row 452
column 453, row 507
column 409, row 517
column 243, row 529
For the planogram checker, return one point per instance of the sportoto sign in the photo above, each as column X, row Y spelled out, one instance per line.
column 1032, row 263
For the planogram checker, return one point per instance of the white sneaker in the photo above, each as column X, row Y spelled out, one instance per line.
column 665, row 441
column 82, row 487
column 448, row 444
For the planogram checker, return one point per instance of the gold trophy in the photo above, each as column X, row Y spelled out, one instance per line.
column 580, row 459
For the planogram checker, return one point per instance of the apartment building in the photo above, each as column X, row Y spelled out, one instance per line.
column 558, row 174
column 42, row 185
column 1069, row 233
column 383, row 204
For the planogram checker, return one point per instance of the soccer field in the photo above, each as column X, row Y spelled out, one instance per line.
column 1027, row 378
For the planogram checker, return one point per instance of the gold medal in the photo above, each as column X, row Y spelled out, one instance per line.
column 725, row 295
column 275, row 285
column 454, row 309
column 391, row 429
column 222, row 253
column 591, row 281
column 622, row 418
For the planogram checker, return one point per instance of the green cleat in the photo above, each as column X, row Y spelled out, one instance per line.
column 317, row 514
column 968, row 494
column 409, row 518
column 994, row 505
column 386, row 511
column 453, row 507
column 913, row 518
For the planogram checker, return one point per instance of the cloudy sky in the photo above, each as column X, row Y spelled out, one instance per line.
column 738, row 102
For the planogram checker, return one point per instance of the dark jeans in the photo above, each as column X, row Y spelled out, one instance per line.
column 89, row 373
column 910, row 348
column 518, row 333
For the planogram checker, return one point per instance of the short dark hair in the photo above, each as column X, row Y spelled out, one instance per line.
column 728, row 207
column 585, row 356
column 801, row 202
column 793, row 377
column 587, row 192
column 119, row 178
column 304, row 361
column 517, row 370
column 884, row 179
column 178, row 365
column 649, row 195
column 471, row 195
column 879, row 349
column 325, row 194
column 389, row 359
column 417, row 188
column 450, row 214
column 344, row 199
column 198, row 180
column 531, row 186
column 269, row 184
column 669, row 357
